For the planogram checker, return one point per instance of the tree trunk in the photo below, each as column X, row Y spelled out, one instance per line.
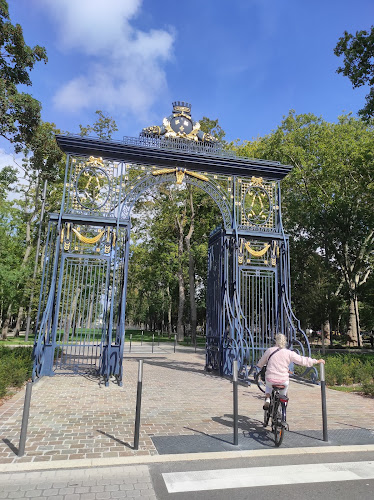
column 169, row 311
column 4, row 331
column 191, row 271
column 354, row 320
column 19, row 321
column 181, row 286
column 90, row 311
column 326, row 330
column 69, row 318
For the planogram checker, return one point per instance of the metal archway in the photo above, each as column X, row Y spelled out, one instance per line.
column 87, row 253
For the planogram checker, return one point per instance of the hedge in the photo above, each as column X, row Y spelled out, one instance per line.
column 15, row 367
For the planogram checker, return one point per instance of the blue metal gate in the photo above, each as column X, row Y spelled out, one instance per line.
column 81, row 316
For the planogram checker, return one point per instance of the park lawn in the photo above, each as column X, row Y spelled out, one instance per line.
column 147, row 336
column 17, row 341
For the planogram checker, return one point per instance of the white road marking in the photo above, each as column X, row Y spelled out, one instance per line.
column 177, row 482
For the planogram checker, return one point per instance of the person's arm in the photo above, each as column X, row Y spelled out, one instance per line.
column 303, row 360
column 263, row 360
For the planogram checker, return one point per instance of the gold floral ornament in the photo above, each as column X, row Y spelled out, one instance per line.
column 180, row 173
column 97, row 162
column 257, row 181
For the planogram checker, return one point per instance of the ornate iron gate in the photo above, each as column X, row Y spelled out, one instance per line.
column 81, row 317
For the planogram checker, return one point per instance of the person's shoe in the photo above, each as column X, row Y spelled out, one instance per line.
column 266, row 405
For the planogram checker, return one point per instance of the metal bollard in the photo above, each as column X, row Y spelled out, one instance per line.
column 195, row 343
column 130, row 341
column 323, row 398
column 175, row 341
column 25, row 420
column 153, row 341
column 235, row 399
column 138, row 405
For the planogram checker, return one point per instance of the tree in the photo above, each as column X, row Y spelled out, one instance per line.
column 358, row 52
column 328, row 196
column 104, row 127
column 19, row 112
column 213, row 128
column 42, row 162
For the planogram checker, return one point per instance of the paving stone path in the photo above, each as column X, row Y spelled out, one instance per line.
column 80, row 484
column 74, row 417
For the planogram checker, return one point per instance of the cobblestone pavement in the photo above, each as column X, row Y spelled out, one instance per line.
column 74, row 417
column 80, row 484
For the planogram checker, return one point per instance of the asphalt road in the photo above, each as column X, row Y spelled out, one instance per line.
column 318, row 474
column 326, row 490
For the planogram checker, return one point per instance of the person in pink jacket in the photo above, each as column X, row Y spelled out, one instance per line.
column 277, row 370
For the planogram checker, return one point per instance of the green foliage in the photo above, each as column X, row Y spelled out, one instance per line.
column 349, row 369
column 368, row 388
column 19, row 112
column 15, row 367
column 104, row 127
column 8, row 176
column 155, row 260
column 327, row 198
column 213, row 128
column 43, row 159
column 358, row 64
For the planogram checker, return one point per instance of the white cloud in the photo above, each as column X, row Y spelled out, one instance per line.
column 126, row 66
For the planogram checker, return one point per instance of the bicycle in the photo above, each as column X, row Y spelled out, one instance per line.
column 260, row 383
column 277, row 413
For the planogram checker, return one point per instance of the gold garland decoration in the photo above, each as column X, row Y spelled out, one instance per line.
column 91, row 241
column 180, row 174
column 256, row 253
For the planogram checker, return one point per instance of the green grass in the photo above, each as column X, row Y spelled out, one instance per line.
column 162, row 337
column 16, row 341
column 345, row 388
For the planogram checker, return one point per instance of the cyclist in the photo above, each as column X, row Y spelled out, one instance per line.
column 277, row 370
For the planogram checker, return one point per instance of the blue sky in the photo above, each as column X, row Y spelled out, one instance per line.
column 245, row 62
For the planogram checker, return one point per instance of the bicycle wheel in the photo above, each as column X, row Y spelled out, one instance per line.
column 278, row 428
column 260, row 383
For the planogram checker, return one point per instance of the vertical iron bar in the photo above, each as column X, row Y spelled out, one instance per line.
column 323, row 398
column 235, row 399
column 100, row 313
column 153, row 340
column 130, row 341
column 25, row 420
column 175, row 341
column 138, row 405
column 141, row 341
column 92, row 314
column 45, row 275
column 36, row 260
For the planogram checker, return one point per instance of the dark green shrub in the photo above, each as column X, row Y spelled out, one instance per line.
column 368, row 388
column 15, row 367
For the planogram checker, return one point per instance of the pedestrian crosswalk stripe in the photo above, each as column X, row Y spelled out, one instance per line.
column 177, row 482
